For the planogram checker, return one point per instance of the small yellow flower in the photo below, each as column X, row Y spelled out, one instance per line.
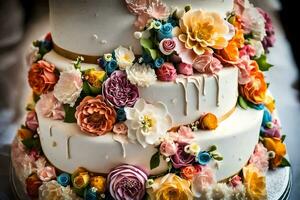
column 170, row 187
column 95, row 78
column 193, row 148
column 255, row 183
column 80, row 178
column 99, row 183
column 275, row 145
column 270, row 103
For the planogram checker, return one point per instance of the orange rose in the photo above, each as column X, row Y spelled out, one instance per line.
column 255, row 90
column 41, row 77
column 275, row 145
column 95, row 116
column 24, row 133
column 208, row 122
column 190, row 171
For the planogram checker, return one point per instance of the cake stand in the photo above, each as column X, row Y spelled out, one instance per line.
column 278, row 184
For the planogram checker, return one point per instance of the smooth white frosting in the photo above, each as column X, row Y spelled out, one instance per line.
column 235, row 138
column 95, row 27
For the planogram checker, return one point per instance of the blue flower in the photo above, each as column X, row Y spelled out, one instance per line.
column 110, row 67
column 165, row 31
column 64, row 179
column 121, row 115
column 90, row 194
column 204, row 158
column 266, row 118
column 158, row 62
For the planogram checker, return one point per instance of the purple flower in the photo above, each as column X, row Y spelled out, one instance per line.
column 269, row 39
column 31, row 121
column 119, row 91
column 273, row 129
column 182, row 158
column 127, row 182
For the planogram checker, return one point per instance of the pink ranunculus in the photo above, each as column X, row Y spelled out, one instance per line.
column 245, row 67
column 120, row 128
column 260, row 158
column 118, row 90
column 248, row 50
column 185, row 69
column 31, row 121
column 127, row 182
column 235, row 181
column 47, row 174
column 182, row 158
column 202, row 180
column 166, row 72
column 167, row 46
column 50, row 107
column 168, row 148
column 207, row 64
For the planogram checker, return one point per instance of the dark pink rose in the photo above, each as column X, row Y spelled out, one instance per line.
column 31, row 121
column 166, row 72
column 182, row 158
column 185, row 69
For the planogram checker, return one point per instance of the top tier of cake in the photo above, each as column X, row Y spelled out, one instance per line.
column 96, row 27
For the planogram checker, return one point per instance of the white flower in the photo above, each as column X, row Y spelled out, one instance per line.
column 124, row 57
column 141, row 75
column 53, row 190
column 69, row 86
column 147, row 123
column 253, row 21
column 259, row 48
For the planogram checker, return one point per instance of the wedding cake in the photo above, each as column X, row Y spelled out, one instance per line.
column 150, row 99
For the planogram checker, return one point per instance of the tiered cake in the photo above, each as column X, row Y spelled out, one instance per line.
column 158, row 99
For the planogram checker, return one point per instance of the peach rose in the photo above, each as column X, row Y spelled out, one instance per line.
column 95, row 116
column 190, row 171
column 255, row 90
column 275, row 145
column 47, row 173
column 42, row 77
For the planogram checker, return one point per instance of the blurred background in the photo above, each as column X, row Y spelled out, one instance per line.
column 22, row 21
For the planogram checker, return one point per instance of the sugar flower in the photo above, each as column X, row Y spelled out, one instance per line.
column 50, row 107
column 124, row 57
column 52, row 190
column 69, row 86
column 170, row 187
column 94, row 116
column 32, row 185
column 246, row 67
column 207, row 64
column 258, row 46
column 202, row 180
column 64, row 179
column 42, row 77
column 147, row 123
column 168, row 148
column 189, row 172
column 260, row 158
column 182, row 158
column 184, row 134
column 47, row 173
column 201, row 31
column 165, row 31
column 98, row 182
column 158, row 10
column 167, row 46
column 127, row 182
column 95, row 78
column 31, row 121
column 166, row 72
column 278, row 147
column 141, row 75
column 185, row 69
column 120, row 129
column 118, row 90
column 269, row 39
column 255, row 183
column 208, row 121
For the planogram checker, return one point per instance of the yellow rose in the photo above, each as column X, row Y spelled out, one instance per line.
column 270, row 103
column 275, row 145
column 170, row 187
column 255, row 183
column 99, row 183
column 95, row 78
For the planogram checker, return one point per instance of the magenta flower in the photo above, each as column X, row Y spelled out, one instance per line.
column 118, row 90
column 269, row 39
column 166, row 72
column 182, row 158
column 127, row 182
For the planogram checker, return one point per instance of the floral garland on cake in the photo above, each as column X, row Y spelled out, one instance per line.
column 106, row 101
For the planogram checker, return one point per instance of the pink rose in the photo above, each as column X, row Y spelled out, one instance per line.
column 235, row 181
column 207, row 64
column 260, row 158
column 168, row 148
column 46, row 174
column 202, row 180
column 166, row 72
column 167, row 46
column 246, row 66
column 185, row 133
column 120, row 129
column 248, row 50
column 31, row 121
column 185, row 69
column 50, row 107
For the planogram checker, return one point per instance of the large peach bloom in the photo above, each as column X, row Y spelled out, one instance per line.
column 201, row 31
column 255, row 183
column 275, row 145
column 42, row 77
column 255, row 90
column 94, row 116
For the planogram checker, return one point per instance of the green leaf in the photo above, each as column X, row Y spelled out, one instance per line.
column 283, row 138
column 148, row 46
column 69, row 113
column 218, row 158
column 155, row 160
column 31, row 143
column 263, row 63
column 35, row 97
column 242, row 103
column 212, row 148
column 285, row 163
